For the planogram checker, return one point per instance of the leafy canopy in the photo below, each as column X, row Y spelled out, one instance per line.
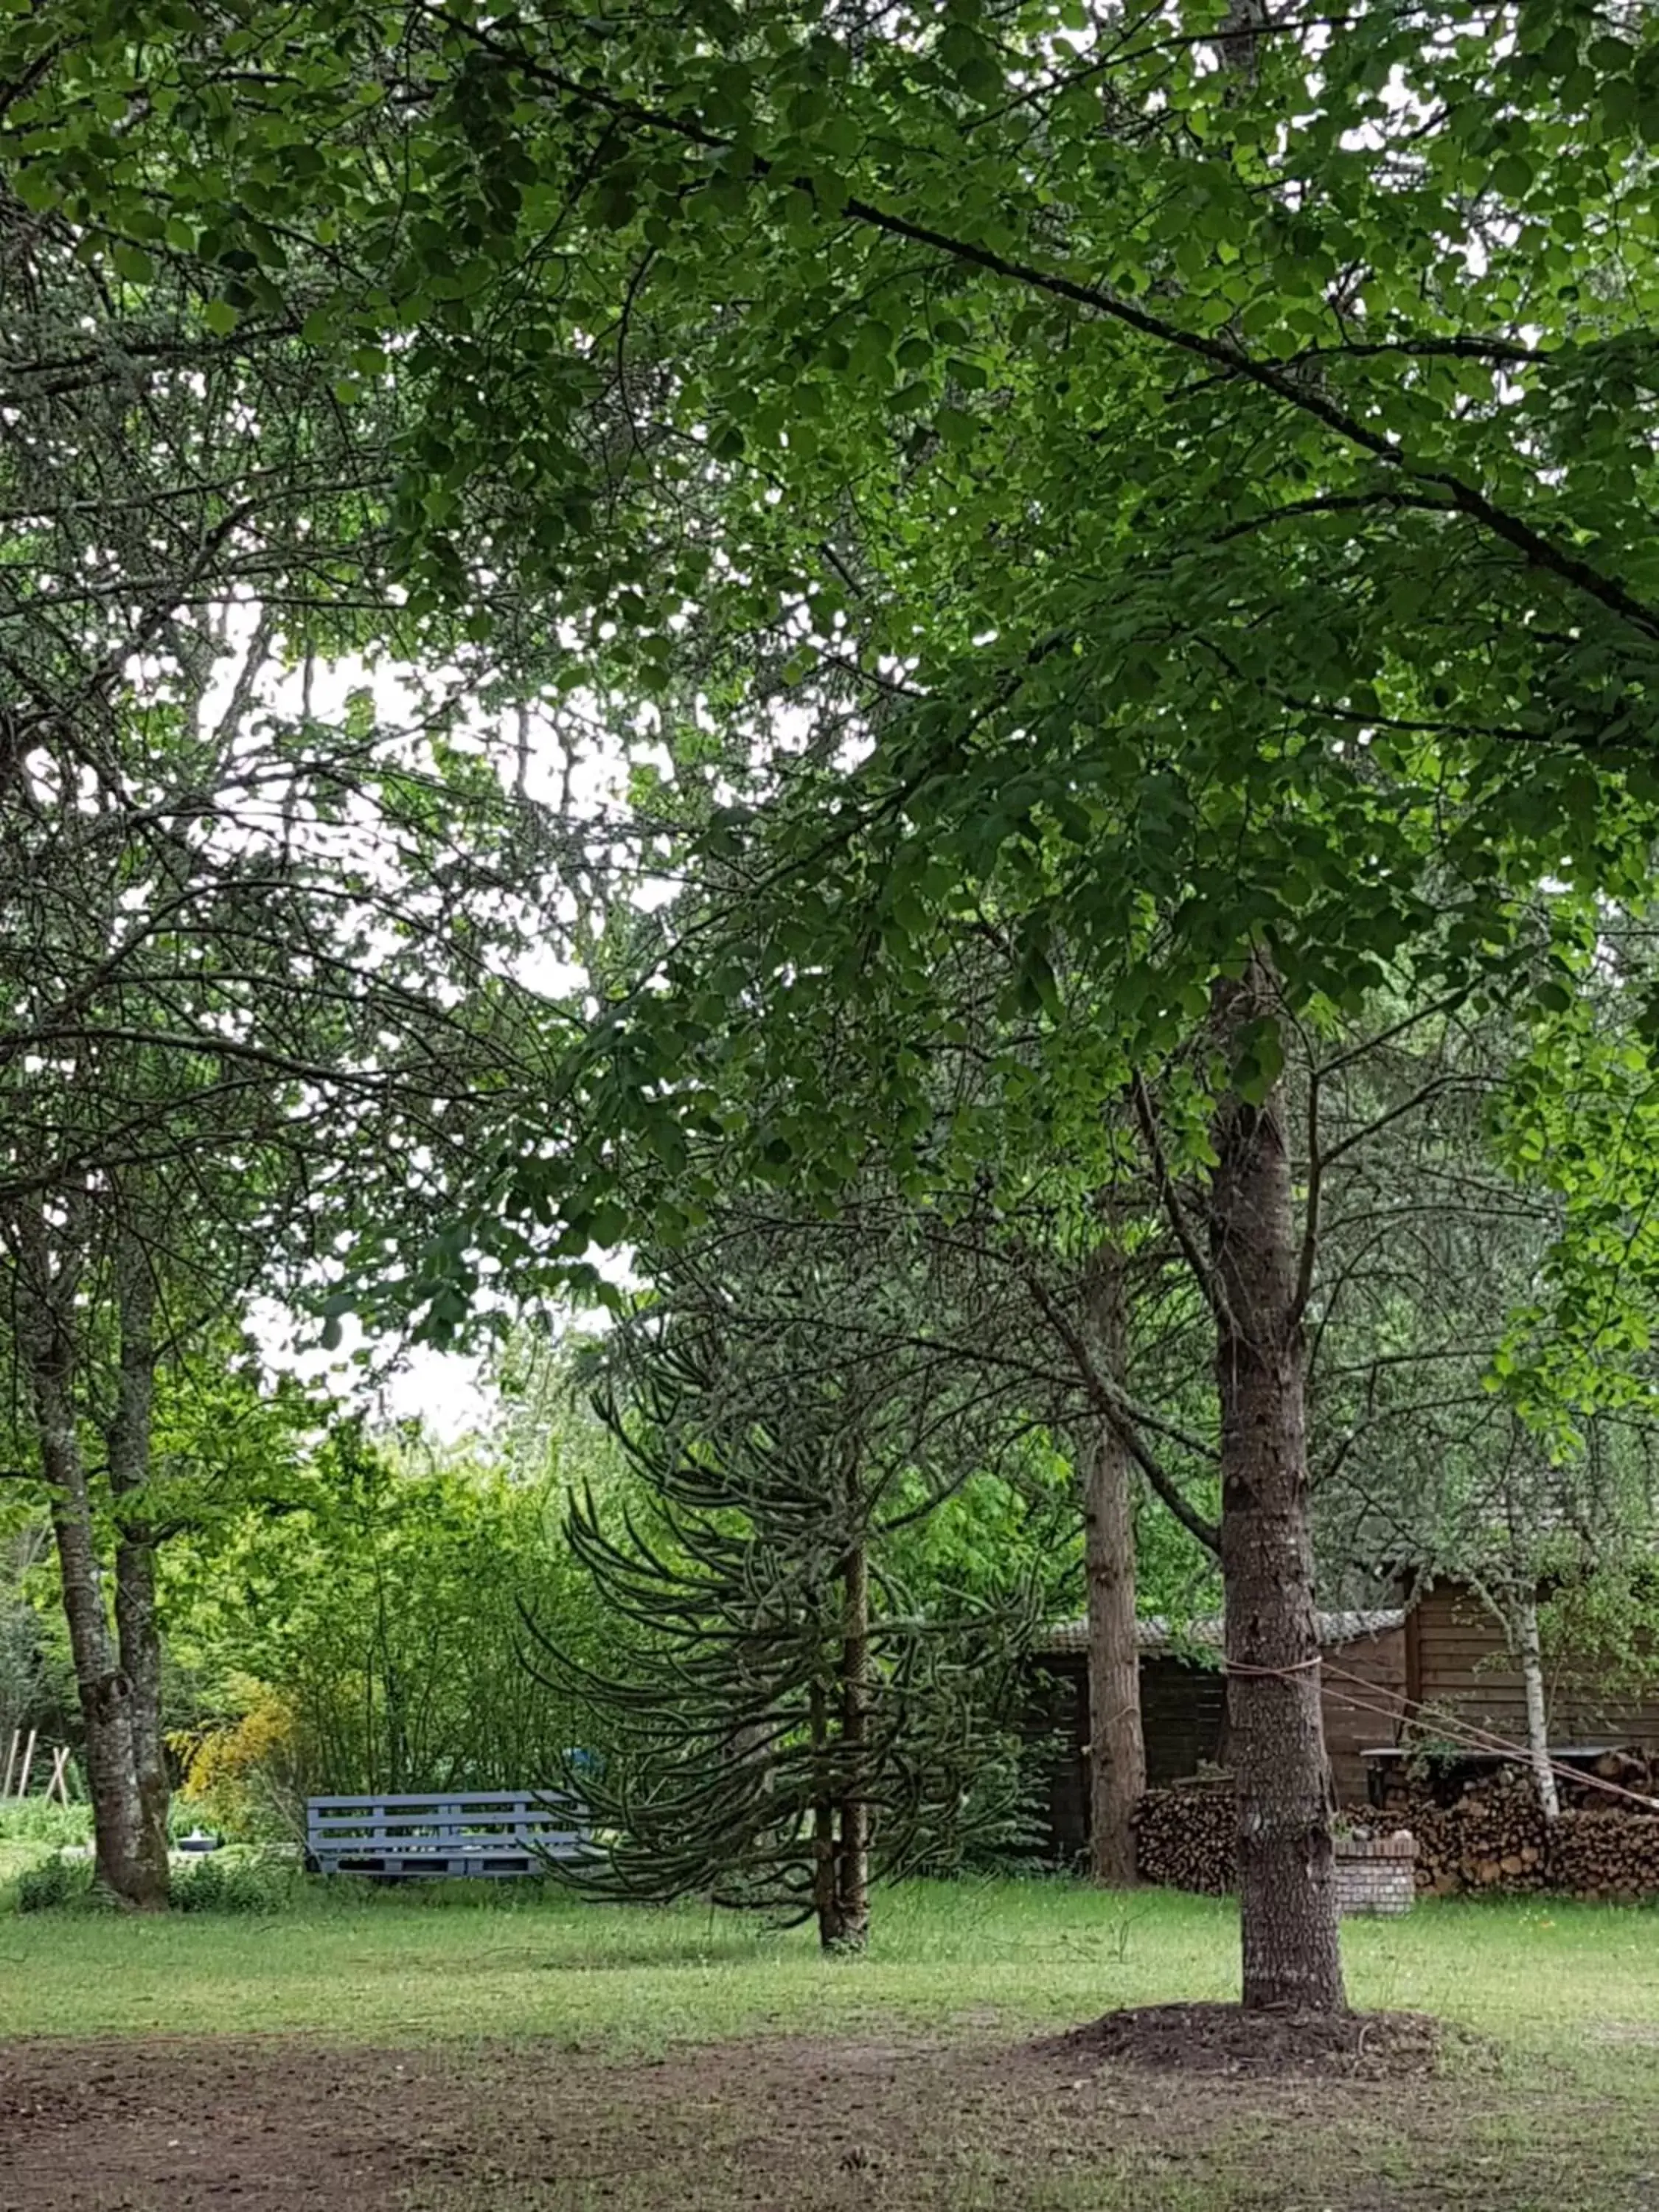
column 1191, row 480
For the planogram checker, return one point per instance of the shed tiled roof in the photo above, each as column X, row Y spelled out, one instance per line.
column 1156, row 1634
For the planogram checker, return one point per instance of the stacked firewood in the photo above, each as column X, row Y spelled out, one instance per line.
column 1407, row 1789
column 1500, row 1842
column 1495, row 1841
column 1493, row 1838
column 1184, row 1838
column 1608, row 1856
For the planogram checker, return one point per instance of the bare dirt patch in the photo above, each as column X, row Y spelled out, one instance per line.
column 1222, row 2039
column 898, row 2124
column 276, row 2124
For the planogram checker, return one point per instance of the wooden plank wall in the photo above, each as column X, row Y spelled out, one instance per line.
column 1460, row 1664
column 1352, row 1722
column 1450, row 1654
column 1059, row 1718
column 1183, row 1709
column 1183, row 1717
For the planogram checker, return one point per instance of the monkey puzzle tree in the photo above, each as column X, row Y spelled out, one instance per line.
column 781, row 1719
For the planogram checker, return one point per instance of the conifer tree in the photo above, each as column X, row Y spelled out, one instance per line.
column 783, row 1721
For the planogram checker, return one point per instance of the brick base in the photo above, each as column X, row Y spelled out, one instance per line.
column 1375, row 1874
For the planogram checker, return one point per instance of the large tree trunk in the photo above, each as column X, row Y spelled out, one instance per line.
column 1117, row 1751
column 137, row 1625
column 1529, row 1651
column 47, row 1341
column 140, row 1649
column 105, row 1695
column 1287, row 1894
column 852, row 1929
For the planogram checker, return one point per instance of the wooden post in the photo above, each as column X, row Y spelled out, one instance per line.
column 1415, row 1655
column 58, row 1785
column 11, row 1762
column 28, row 1761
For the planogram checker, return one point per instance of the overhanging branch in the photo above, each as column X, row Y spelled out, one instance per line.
column 1225, row 354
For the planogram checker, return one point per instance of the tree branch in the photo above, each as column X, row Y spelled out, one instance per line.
column 1106, row 1400
column 1208, row 1282
column 1332, row 503
column 1290, row 389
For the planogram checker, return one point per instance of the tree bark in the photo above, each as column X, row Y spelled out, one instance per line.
column 1529, row 1651
column 46, row 1341
column 1287, row 1894
column 825, row 1883
column 1117, row 1750
column 852, row 1931
column 137, row 1624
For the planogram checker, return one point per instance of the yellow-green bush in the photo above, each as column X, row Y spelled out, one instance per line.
column 246, row 1775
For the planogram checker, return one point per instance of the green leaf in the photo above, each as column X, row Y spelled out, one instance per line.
column 1512, row 176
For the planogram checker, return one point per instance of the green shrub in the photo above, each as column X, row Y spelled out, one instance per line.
column 222, row 1881
column 229, row 1882
column 378, row 1649
column 464, row 1895
column 32, row 1820
column 53, row 1884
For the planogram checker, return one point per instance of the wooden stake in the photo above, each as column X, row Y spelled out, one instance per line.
column 11, row 1761
column 28, row 1761
column 58, row 1785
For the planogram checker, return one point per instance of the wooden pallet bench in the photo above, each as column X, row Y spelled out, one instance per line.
column 454, row 1832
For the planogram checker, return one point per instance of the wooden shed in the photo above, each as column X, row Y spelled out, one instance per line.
column 1183, row 1704
column 1456, row 1664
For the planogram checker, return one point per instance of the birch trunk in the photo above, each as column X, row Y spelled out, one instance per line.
column 1530, row 1652
column 1287, row 1894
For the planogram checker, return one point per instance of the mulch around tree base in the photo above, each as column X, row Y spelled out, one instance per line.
column 1223, row 2038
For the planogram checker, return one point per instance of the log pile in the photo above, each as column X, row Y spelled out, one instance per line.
column 1184, row 1838
column 1499, row 1843
column 1494, row 1842
column 1443, row 1781
column 1608, row 1857
column 1491, row 1839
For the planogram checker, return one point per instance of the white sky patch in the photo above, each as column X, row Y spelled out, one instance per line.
column 443, row 1390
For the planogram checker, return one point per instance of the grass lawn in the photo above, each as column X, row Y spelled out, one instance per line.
column 691, row 2060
